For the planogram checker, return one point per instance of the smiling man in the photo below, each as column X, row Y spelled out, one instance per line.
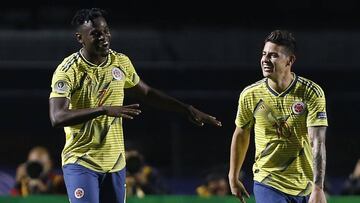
column 289, row 119
column 87, row 100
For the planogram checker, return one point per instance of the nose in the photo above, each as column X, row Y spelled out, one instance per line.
column 101, row 36
column 265, row 58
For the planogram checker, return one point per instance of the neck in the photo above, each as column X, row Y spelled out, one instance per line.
column 94, row 59
column 280, row 84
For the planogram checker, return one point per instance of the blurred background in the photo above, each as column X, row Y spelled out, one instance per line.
column 203, row 53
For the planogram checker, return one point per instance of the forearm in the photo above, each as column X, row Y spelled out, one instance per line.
column 317, row 135
column 239, row 147
column 162, row 101
column 68, row 117
column 157, row 99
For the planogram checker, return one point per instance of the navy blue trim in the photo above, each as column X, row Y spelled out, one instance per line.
column 292, row 85
column 312, row 87
column 269, row 88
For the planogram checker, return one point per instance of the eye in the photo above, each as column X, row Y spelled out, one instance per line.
column 274, row 55
column 95, row 34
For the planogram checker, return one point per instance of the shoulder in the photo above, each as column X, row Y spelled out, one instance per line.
column 121, row 59
column 253, row 87
column 118, row 55
column 69, row 62
column 311, row 87
column 68, row 69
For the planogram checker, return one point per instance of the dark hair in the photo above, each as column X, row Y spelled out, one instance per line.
column 134, row 164
column 84, row 15
column 283, row 38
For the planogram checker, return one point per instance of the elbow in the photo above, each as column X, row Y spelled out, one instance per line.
column 56, row 122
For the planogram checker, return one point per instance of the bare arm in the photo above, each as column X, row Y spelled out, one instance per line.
column 239, row 146
column 157, row 98
column 160, row 100
column 61, row 115
column 317, row 137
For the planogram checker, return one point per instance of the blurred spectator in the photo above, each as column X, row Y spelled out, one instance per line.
column 352, row 184
column 141, row 179
column 6, row 183
column 216, row 184
column 36, row 175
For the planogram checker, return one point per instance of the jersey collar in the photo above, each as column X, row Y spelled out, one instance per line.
column 287, row 90
column 104, row 63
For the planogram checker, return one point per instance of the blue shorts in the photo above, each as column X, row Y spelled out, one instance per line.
column 265, row 194
column 87, row 186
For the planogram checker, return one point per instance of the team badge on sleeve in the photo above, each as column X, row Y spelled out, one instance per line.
column 321, row 115
column 61, row 87
column 117, row 73
column 298, row 108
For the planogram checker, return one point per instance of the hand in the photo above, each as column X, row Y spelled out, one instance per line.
column 37, row 185
column 199, row 118
column 317, row 195
column 128, row 111
column 238, row 189
column 21, row 172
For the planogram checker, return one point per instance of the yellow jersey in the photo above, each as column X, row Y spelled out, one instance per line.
column 97, row 144
column 283, row 154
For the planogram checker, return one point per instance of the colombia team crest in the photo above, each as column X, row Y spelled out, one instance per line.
column 117, row 73
column 298, row 107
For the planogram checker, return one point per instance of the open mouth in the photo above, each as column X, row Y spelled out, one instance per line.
column 104, row 45
column 267, row 68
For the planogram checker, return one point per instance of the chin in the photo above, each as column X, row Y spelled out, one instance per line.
column 104, row 53
column 266, row 75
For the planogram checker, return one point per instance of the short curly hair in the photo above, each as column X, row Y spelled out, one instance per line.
column 84, row 15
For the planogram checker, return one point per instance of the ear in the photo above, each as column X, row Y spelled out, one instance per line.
column 291, row 61
column 79, row 37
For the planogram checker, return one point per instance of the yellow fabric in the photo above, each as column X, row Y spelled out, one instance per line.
column 24, row 191
column 283, row 157
column 97, row 144
column 203, row 191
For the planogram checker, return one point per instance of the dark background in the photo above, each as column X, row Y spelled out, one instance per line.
column 203, row 53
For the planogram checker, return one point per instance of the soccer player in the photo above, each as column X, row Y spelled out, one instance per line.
column 289, row 119
column 87, row 99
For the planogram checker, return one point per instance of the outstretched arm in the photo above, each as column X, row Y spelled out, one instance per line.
column 239, row 146
column 317, row 137
column 61, row 115
column 160, row 100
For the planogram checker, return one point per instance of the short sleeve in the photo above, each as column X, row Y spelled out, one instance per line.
column 132, row 77
column 61, row 85
column 244, row 116
column 317, row 109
